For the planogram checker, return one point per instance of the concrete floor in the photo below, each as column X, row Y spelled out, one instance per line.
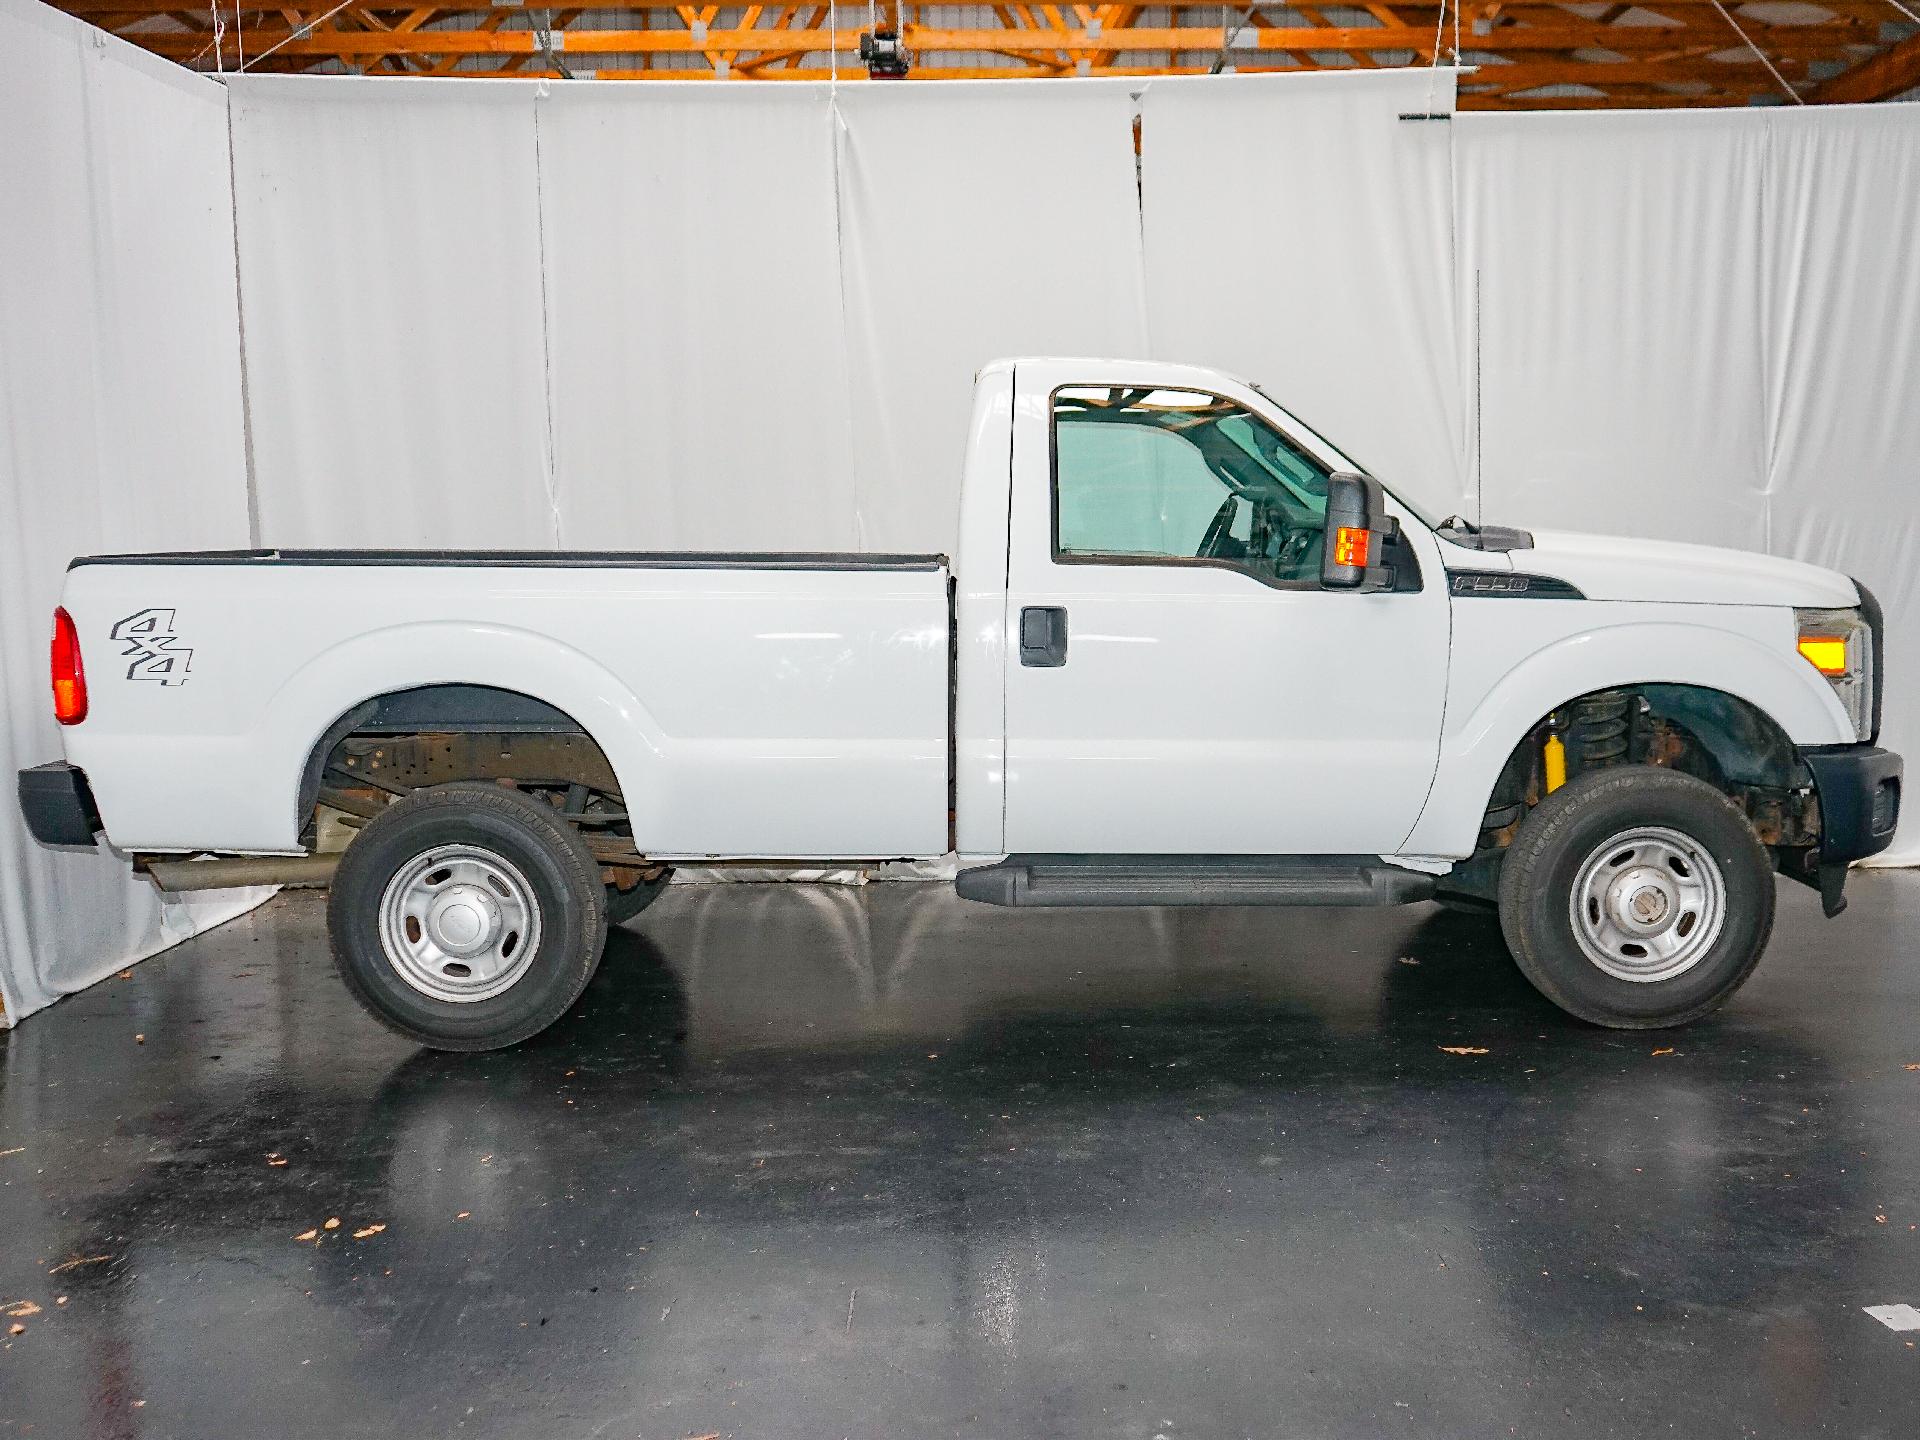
column 875, row 1162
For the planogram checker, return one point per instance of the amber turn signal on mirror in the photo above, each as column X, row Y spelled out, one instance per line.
column 1350, row 546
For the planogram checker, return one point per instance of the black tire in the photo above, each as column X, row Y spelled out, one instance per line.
column 1568, row 830
column 558, row 871
column 623, row 905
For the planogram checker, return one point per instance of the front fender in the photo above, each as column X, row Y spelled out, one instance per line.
column 1510, row 669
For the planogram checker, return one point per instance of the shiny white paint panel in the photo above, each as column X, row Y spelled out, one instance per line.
column 797, row 713
column 1199, row 710
column 1515, row 660
column 1607, row 567
column 980, row 602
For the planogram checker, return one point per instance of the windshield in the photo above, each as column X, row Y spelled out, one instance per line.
column 1345, row 458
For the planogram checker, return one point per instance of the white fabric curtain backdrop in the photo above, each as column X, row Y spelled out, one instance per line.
column 390, row 272
column 120, row 424
column 1706, row 326
column 1617, row 272
column 1299, row 232
column 1841, row 215
column 699, row 388
column 978, row 221
column 680, row 317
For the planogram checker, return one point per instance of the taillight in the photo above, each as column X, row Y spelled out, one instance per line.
column 69, row 675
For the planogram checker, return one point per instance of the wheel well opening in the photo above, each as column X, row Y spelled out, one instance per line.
column 1728, row 742
column 405, row 740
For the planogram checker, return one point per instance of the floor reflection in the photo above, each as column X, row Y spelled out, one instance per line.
column 834, row 1159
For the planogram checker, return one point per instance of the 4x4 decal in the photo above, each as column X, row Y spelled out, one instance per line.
column 153, row 650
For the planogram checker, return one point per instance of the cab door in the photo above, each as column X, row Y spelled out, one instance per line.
column 1177, row 679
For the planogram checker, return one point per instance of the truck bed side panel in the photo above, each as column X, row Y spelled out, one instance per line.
column 795, row 708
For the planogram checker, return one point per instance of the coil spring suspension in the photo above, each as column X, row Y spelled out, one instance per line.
column 1601, row 729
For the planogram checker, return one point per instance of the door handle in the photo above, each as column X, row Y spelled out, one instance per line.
column 1043, row 636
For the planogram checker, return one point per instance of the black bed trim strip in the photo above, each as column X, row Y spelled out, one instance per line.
column 536, row 559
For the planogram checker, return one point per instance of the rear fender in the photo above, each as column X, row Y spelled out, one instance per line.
column 404, row 657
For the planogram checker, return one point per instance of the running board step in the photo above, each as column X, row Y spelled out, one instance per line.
column 1193, row 880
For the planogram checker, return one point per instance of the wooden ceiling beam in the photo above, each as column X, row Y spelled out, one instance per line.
column 1039, row 42
column 1887, row 74
column 1525, row 44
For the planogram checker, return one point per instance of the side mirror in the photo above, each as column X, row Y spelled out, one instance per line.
column 1358, row 532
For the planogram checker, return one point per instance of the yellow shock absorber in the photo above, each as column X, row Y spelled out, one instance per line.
column 1556, row 758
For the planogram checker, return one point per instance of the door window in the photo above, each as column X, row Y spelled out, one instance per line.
column 1173, row 476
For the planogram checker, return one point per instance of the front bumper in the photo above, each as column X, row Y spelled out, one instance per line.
column 57, row 805
column 1859, row 789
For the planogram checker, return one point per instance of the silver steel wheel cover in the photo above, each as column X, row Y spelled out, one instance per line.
column 459, row 923
column 1648, row 904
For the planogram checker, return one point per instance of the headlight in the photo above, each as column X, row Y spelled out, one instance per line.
column 1839, row 644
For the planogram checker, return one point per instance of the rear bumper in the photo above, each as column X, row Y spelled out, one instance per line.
column 57, row 805
column 1859, row 789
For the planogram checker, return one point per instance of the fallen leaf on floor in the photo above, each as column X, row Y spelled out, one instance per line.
column 276, row 1159
column 78, row 1260
column 1879, row 1219
column 1408, row 960
column 139, row 1039
column 1667, row 1051
column 1914, row 1066
column 126, row 974
column 308, row 1235
column 367, row 1230
column 463, row 1214
column 333, row 1223
column 1466, row 1049
column 18, row 1148
column 59, row 1299
column 22, row 1310
column 16, row 1329
column 710, row 1435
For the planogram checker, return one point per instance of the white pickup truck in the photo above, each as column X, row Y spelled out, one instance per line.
column 1188, row 654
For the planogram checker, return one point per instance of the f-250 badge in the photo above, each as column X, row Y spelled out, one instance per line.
column 153, row 651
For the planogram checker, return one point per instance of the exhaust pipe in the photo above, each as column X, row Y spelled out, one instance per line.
column 307, row 871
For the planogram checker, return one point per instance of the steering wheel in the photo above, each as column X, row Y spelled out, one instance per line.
column 1295, row 549
column 1217, row 528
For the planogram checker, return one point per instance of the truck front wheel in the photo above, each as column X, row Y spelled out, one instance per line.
column 1635, row 897
column 467, row 917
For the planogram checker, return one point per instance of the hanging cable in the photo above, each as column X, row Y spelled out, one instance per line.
column 1439, row 28
column 219, row 38
column 1911, row 15
column 1727, row 15
column 239, row 35
column 1227, row 36
column 299, row 32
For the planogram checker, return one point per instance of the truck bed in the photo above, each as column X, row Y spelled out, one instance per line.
column 750, row 704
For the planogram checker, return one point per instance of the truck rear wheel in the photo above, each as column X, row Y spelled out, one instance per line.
column 1636, row 898
column 467, row 917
